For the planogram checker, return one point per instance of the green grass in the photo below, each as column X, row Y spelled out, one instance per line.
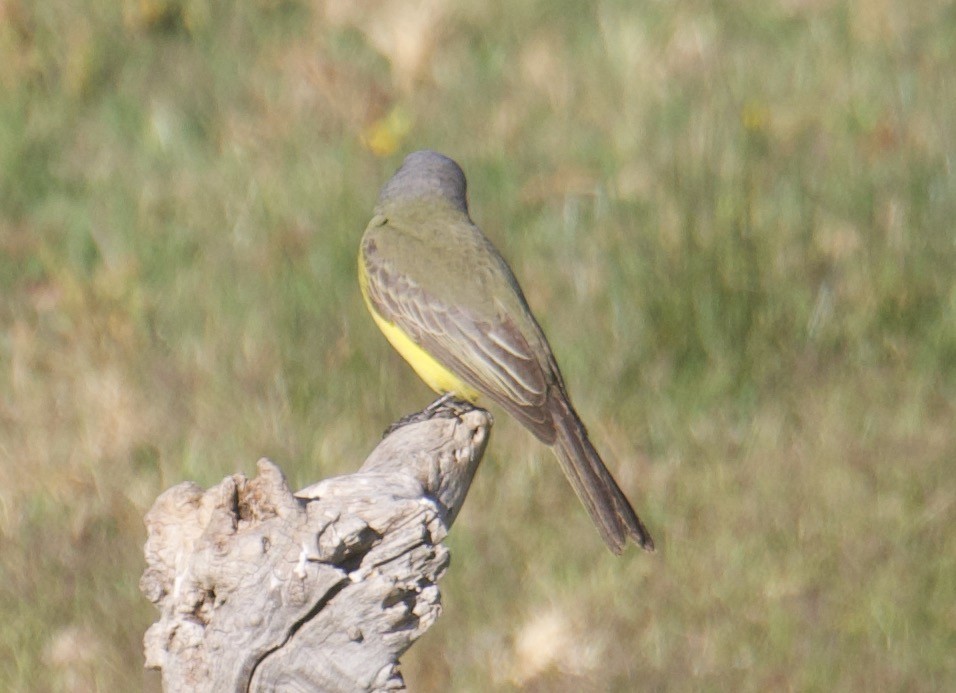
column 735, row 221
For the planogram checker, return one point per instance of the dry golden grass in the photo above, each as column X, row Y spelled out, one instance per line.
column 735, row 222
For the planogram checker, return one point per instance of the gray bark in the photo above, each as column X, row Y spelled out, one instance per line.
column 263, row 589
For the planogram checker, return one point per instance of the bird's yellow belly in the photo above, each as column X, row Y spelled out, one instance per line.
column 435, row 375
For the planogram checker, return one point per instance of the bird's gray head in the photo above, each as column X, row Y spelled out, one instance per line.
column 426, row 174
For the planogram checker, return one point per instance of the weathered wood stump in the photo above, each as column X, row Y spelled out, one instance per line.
column 262, row 589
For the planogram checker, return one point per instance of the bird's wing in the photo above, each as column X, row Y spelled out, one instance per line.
column 485, row 348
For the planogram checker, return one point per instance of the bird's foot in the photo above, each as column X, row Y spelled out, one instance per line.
column 447, row 406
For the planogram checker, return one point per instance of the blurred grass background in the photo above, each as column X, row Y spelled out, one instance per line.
column 735, row 221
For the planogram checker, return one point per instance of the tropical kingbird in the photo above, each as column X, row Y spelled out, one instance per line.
column 448, row 302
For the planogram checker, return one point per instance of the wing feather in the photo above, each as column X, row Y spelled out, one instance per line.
column 488, row 352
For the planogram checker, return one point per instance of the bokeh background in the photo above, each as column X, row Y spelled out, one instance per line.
column 735, row 221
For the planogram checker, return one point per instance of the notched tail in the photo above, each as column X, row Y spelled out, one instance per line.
column 607, row 505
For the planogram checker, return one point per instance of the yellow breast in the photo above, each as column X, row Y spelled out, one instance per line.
column 435, row 375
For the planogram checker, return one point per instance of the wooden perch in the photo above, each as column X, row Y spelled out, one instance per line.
column 322, row 590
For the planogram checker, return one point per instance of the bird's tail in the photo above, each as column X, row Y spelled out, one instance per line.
column 605, row 502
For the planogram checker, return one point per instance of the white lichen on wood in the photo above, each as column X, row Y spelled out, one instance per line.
column 262, row 589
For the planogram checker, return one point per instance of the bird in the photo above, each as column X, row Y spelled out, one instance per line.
column 448, row 302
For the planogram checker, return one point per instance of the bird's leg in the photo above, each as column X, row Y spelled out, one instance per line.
column 448, row 405
column 437, row 404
